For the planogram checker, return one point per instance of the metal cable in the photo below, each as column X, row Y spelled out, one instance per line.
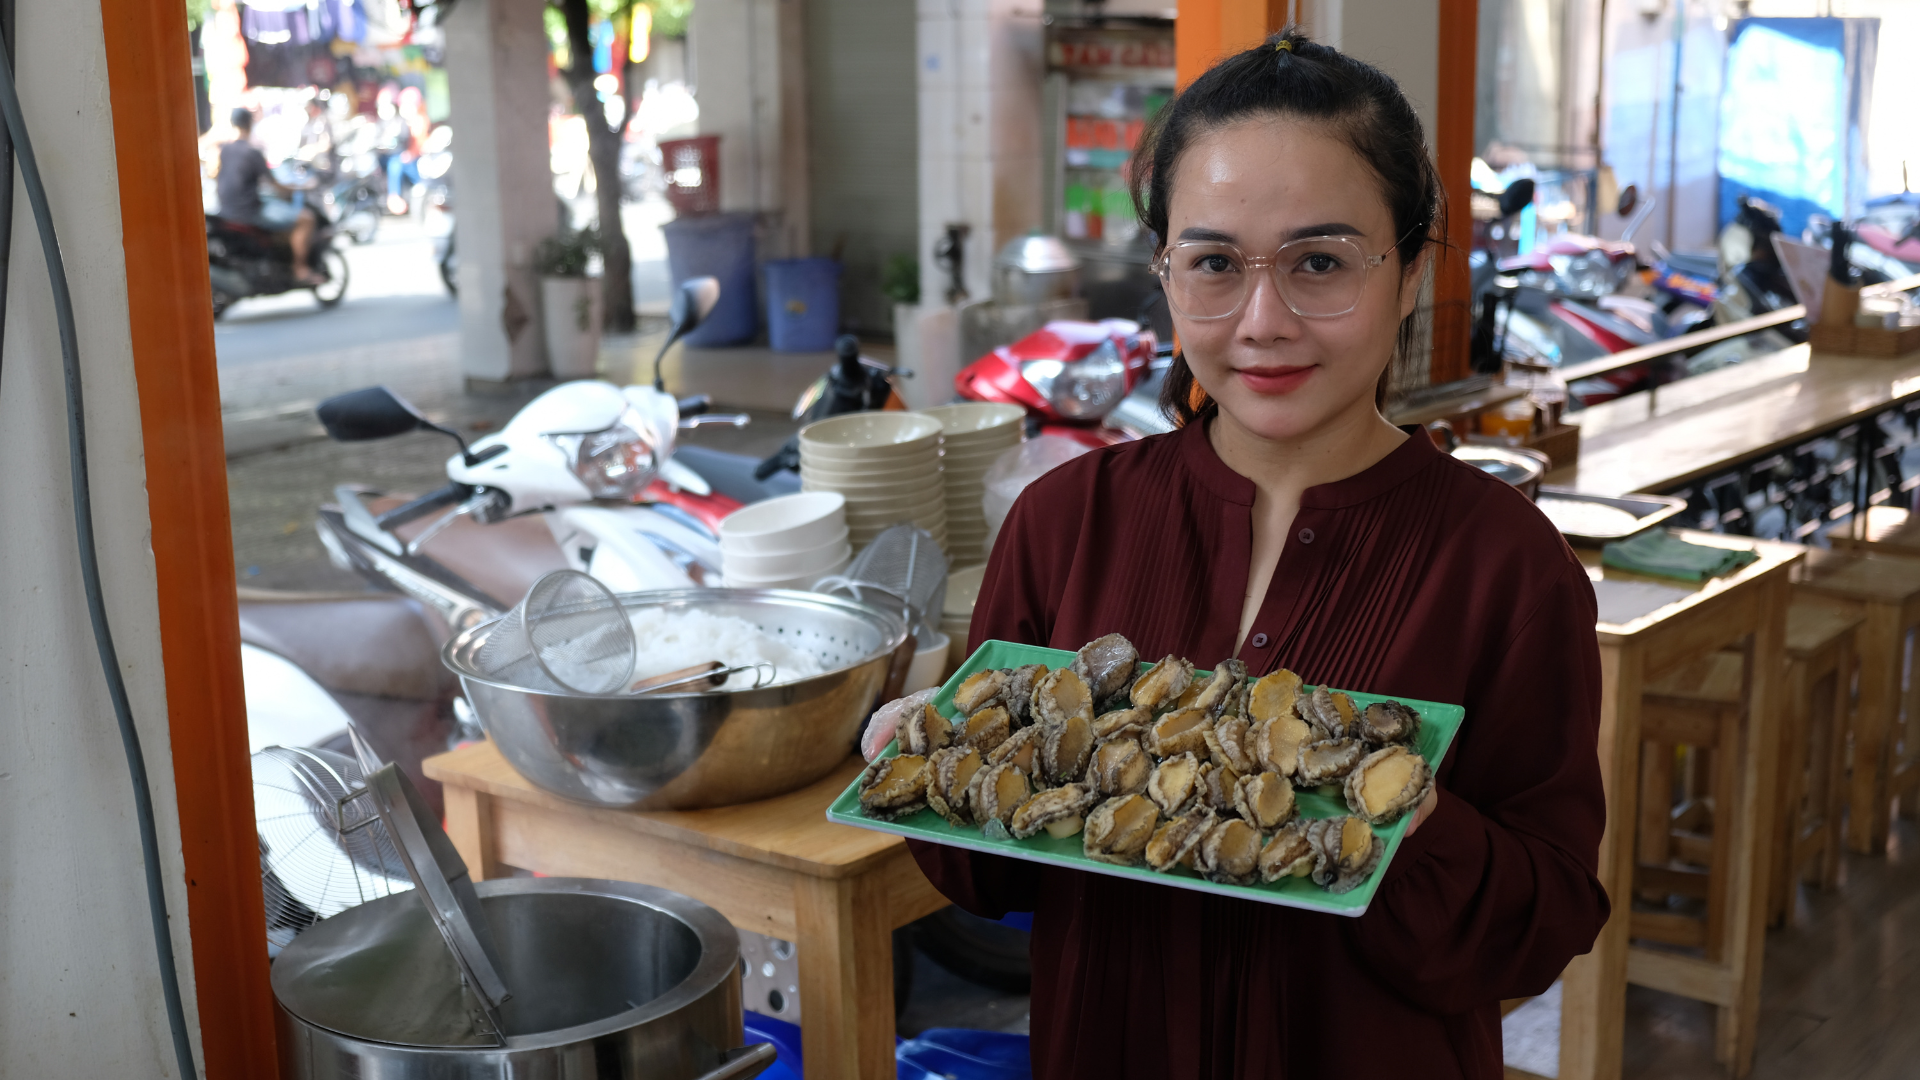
column 90, row 560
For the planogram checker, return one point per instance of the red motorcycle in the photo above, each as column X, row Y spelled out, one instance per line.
column 1068, row 376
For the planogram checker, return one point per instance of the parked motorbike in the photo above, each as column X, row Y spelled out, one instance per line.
column 855, row 383
column 589, row 461
column 1068, row 375
column 246, row 260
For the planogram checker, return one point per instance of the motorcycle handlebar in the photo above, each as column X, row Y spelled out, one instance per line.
column 424, row 505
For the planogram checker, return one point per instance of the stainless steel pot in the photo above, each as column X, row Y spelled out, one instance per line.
column 1519, row 467
column 609, row 979
column 1035, row 269
column 691, row 750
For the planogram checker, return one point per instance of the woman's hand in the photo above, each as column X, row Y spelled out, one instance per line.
column 1425, row 808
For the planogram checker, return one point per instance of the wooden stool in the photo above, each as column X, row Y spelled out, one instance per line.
column 1692, row 709
column 1813, row 746
column 1886, row 729
column 1882, row 530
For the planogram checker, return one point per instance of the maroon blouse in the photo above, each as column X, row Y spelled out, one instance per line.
column 1420, row 577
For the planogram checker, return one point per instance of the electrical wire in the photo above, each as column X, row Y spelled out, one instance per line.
column 90, row 560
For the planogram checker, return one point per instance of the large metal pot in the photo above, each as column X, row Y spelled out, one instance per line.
column 609, row 979
column 1035, row 269
column 691, row 750
column 1517, row 466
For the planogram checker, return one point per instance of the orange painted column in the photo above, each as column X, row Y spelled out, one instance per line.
column 1452, row 142
column 170, row 309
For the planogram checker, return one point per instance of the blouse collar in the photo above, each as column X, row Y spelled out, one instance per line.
column 1413, row 454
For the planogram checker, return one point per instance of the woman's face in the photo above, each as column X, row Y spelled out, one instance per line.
column 1260, row 184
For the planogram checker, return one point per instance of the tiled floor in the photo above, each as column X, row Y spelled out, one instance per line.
column 1840, row 995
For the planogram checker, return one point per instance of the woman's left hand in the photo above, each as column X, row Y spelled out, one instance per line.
column 1425, row 808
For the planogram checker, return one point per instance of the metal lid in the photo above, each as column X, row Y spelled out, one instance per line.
column 1515, row 467
column 441, row 881
column 1037, row 253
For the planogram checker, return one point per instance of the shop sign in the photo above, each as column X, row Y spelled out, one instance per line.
column 1113, row 52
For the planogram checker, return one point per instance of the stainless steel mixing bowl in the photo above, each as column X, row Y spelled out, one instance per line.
column 690, row 750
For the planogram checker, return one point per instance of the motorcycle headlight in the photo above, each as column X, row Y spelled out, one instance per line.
column 614, row 463
column 1587, row 275
column 1091, row 386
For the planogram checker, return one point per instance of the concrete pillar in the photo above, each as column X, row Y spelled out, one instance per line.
column 980, row 79
column 746, row 62
column 497, row 72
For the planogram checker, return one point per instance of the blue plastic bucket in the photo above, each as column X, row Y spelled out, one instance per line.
column 720, row 246
column 803, row 304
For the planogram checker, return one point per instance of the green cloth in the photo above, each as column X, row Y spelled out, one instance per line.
column 1662, row 554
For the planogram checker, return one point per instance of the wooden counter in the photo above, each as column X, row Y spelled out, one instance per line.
column 1689, row 430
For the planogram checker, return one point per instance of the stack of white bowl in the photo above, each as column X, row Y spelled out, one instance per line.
column 886, row 465
column 973, row 435
column 956, row 616
column 787, row 542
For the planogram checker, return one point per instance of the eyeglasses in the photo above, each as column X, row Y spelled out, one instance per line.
column 1319, row 277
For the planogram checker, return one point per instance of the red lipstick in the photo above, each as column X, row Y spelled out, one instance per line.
column 1275, row 380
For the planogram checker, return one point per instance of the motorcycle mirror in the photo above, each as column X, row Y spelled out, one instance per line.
column 1629, row 198
column 1517, row 197
column 693, row 301
column 378, row 413
column 372, row 413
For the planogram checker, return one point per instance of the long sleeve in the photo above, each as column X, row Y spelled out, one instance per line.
column 1497, row 891
column 1013, row 606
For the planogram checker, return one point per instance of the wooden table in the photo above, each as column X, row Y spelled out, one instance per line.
column 1882, row 530
column 1690, row 430
column 776, row 867
column 1745, row 610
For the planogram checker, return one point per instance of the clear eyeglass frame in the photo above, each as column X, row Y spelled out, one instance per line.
column 1163, row 268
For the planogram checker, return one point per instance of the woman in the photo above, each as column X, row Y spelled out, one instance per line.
column 1288, row 523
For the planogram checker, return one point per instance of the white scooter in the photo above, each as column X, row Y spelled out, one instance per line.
column 575, row 458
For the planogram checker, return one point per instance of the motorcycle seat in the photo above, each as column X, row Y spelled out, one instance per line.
column 1700, row 266
column 503, row 559
column 377, row 644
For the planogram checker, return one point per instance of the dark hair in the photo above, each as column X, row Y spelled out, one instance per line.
column 241, row 118
column 1290, row 75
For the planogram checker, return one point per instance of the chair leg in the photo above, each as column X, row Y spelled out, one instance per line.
column 1788, row 814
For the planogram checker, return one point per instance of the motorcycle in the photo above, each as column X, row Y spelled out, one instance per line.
column 855, row 383
column 589, row 461
column 1069, row 376
column 246, row 260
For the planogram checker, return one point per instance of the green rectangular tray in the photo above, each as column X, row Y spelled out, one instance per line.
column 1438, row 723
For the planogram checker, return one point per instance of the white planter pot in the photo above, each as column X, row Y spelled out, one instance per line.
column 570, row 308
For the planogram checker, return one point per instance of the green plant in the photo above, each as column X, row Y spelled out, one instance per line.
column 567, row 253
column 900, row 279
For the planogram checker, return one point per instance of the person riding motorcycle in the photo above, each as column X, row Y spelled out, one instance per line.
column 242, row 170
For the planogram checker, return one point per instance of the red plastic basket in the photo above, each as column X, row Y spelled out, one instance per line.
column 692, row 167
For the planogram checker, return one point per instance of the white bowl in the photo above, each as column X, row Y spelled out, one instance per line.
column 803, row 582
column 969, row 459
column 929, row 664
column 785, row 523
column 857, row 436
column 870, row 473
column 963, row 590
column 912, row 502
column 998, row 439
column 922, row 516
column 975, row 417
column 908, row 486
column 787, row 565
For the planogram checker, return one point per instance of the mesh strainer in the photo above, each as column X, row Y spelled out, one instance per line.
column 903, row 568
column 321, row 850
column 568, row 634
